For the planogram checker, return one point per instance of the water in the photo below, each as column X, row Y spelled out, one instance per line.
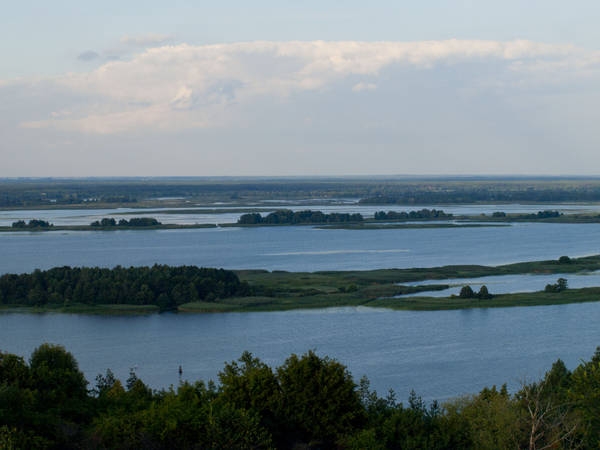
column 206, row 214
column 297, row 248
column 504, row 284
column 440, row 354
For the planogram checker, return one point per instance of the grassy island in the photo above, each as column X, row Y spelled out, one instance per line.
column 417, row 219
column 191, row 289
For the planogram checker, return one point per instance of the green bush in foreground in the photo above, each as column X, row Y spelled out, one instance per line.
column 310, row 402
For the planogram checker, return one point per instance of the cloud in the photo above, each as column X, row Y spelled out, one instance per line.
column 362, row 86
column 146, row 40
column 89, row 55
column 184, row 86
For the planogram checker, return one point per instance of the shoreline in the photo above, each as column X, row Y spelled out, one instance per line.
column 382, row 288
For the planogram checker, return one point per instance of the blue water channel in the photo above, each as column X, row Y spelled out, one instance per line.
column 440, row 354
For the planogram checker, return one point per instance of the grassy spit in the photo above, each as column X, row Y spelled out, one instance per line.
column 280, row 290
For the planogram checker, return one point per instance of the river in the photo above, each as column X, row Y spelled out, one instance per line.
column 439, row 354
column 298, row 248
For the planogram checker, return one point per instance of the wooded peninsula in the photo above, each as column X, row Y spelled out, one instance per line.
column 193, row 289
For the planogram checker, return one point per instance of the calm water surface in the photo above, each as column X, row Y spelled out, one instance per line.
column 439, row 354
column 504, row 284
column 204, row 214
column 298, row 248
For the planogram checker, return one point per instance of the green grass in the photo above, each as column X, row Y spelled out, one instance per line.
column 365, row 298
column 376, row 288
column 280, row 290
column 499, row 301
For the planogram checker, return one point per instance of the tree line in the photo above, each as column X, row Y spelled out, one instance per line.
column 309, row 402
column 423, row 214
column 109, row 222
column 477, row 192
column 289, row 217
column 32, row 224
column 546, row 214
column 164, row 286
column 468, row 292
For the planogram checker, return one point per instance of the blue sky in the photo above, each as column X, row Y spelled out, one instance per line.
column 299, row 88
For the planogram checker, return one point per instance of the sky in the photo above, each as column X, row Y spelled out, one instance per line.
column 290, row 88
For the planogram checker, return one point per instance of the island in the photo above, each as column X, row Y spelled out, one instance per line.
column 192, row 289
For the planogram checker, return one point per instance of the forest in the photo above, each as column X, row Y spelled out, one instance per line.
column 289, row 217
column 309, row 402
column 423, row 214
column 134, row 222
column 164, row 286
column 159, row 288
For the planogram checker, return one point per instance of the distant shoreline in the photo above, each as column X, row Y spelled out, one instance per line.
column 367, row 224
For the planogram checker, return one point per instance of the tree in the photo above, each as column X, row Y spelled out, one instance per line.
column 56, row 376
column 484, row 293
column 61, row 404
column 466, row 292
column 319, row 400
column 584, row 391
column 108, row 222
column 549, row 417
column 560, row 285
column 250, row 384
column 491, row 418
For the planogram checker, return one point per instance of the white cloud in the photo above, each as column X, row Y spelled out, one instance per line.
column 146, row 40
column 184, row 86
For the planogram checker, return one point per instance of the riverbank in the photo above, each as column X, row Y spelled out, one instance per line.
column 384, row 288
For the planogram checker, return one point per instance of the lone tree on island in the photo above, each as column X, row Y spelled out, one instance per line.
column 484, row 293
column 466, row 292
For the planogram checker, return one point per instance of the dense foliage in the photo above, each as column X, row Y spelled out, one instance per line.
column 310, row 402
column 161, row 285
column 546, row 214
column 289, row 217
column 423, row 214
column 32, row 224
column 560, row 285
column 468, row 292
column 109, row 222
